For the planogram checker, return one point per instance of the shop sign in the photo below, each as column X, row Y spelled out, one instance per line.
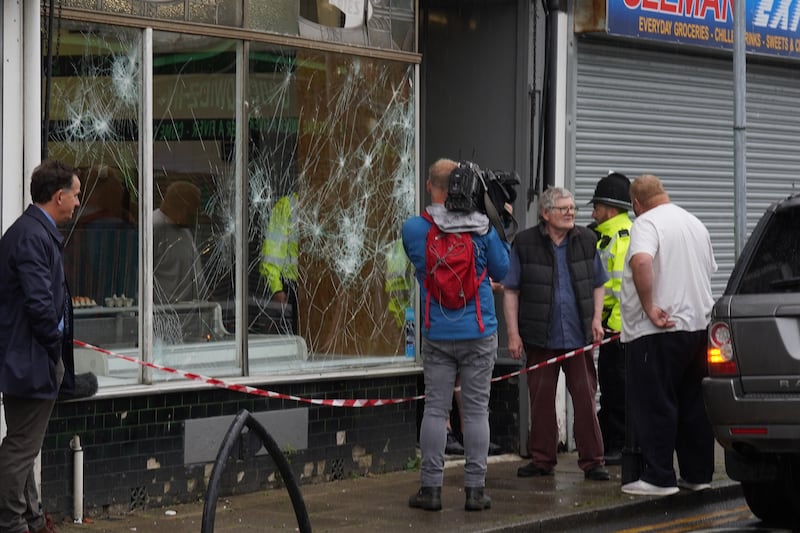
column 771, row 25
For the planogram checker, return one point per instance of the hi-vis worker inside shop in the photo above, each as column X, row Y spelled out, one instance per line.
column 279, row 260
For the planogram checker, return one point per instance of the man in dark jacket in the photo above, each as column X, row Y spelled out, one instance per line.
column 35, row 338
column 553, row 304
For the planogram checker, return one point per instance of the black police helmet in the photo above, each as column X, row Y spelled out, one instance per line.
column 613, row 190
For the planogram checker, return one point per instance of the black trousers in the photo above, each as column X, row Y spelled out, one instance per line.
column 664, row 391
column 19, row 500
column 26, row 424
column 611, row 378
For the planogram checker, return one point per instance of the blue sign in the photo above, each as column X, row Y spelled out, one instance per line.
column 771, row 25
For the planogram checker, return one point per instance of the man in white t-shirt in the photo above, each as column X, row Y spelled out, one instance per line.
column 666, row 305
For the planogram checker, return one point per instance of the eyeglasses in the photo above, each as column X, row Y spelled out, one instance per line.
column 566, row 209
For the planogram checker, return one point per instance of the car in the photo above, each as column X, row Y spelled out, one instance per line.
column 752, row 392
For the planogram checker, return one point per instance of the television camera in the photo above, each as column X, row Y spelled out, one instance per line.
column 471, row 187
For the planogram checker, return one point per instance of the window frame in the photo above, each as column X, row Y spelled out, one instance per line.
column 243, row 38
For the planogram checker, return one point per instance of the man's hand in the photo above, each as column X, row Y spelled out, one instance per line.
column 597, row 330
column 644, row 280
column 659, row 317
column 598, row 294
column 280, row 297
column 511, row 313
column 515, row 346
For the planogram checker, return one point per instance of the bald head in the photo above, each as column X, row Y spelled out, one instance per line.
column 647, row 192
column 439, row 179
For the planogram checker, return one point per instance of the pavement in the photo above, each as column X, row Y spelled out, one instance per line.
column 379, row 502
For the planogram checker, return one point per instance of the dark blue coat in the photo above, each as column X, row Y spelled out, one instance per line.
column 33, row 299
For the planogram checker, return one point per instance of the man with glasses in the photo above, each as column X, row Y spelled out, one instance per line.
column 553, row 304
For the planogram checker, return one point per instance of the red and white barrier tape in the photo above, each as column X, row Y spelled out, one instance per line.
column 362, row 402
column 246, row 389
column 557, row 359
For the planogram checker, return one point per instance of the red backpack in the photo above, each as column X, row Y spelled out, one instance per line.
column 451, row 277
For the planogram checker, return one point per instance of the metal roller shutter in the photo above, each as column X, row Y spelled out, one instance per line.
column 671, row 115
column 773, row 137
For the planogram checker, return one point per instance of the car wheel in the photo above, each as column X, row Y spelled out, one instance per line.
column 768, row 502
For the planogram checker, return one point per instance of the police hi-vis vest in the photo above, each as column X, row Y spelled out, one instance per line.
column 612, row 245
column 279, row 249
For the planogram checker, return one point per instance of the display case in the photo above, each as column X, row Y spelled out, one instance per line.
column 189, row 336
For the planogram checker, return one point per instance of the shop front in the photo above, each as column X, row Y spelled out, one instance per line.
column 245, row 170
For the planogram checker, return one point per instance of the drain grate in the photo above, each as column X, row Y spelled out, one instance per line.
column 337, row 469
column 138, row 498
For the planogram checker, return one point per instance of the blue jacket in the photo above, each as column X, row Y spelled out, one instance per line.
column 458, row 324
column 33, row 300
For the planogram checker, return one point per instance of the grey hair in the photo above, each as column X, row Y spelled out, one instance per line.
column 547, row 201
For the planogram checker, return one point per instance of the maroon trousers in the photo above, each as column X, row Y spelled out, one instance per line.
column 581, row 378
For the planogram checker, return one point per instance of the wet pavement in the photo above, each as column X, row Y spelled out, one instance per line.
column 380, row 503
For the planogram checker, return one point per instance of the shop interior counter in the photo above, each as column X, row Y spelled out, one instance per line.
column 189, row 336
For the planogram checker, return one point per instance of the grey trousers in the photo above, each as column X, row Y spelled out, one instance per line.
column 474, row 361
column 26, row 424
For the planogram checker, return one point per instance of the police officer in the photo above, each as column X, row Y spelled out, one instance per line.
column 611, row 202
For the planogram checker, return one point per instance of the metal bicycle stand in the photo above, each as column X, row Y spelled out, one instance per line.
column 234, row 435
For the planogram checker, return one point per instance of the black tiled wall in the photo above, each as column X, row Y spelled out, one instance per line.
column 133, row 447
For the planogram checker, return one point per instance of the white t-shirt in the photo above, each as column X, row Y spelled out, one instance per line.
column 683, row 262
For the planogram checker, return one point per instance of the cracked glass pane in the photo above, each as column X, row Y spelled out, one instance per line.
column 376, row 23
column 331, row 179
column 194, row 95
column 94, row 105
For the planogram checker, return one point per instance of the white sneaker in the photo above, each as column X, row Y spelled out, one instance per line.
column 643, row 488
column 694, row 487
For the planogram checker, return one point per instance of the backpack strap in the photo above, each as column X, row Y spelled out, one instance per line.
column 429, row 218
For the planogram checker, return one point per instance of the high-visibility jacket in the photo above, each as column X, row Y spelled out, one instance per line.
column 398, row 281
column 612, row 245
column 279, row 249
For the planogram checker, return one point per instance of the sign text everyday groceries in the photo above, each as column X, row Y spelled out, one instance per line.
column 771, row 25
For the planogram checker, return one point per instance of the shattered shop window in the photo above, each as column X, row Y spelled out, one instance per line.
column 331, row 180
column 93, row 107
column 385, row 24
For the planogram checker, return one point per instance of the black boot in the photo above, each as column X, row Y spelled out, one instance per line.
column 428, row 498
column 476, row 499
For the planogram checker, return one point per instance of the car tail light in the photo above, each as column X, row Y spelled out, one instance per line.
column 749, row 431
column 720, row 350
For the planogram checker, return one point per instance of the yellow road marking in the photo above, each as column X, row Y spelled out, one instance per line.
column 691, row 520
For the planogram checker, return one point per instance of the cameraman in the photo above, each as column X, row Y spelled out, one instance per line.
column 455, row 344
